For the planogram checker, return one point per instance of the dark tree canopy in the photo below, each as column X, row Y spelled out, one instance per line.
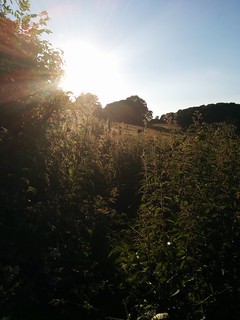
column 132, row 110
column 211, row 113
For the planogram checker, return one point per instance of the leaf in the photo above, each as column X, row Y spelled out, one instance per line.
column 31, row 189
column 175, row 293
column 181, row 253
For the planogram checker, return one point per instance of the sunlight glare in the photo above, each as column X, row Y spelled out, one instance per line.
column 90, row 69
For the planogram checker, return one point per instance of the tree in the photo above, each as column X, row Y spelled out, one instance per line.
column 211, row 113
column 30, row 68
column 141, row 108
column 88, row 103
column 28, row 64
column 133, row 110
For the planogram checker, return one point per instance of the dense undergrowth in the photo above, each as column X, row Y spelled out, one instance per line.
column 101, row 224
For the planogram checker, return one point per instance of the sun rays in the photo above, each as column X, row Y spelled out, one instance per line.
column 89, row 68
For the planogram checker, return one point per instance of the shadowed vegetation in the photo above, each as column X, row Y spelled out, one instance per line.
column 105, row 220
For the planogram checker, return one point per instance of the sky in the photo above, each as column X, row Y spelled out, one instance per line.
column 174, row 54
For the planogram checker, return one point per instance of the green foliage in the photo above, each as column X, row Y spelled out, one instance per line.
column 182, row 255
column 101, row 223
column 59, row 199
column 28, row 64
column 96, row 223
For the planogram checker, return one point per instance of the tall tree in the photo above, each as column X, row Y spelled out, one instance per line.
column 133, row 110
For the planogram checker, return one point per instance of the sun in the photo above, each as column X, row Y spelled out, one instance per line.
column 89, row 68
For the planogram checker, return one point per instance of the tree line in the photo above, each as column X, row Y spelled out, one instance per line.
column 211, row 113
column 132, row 110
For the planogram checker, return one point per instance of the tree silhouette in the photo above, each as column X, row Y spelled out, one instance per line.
column 133, row 110
column 211, row 113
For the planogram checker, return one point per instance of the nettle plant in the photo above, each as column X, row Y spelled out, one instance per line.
column 89, row 171
column 182, row 254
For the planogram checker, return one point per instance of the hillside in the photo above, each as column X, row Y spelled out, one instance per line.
column 211, row 113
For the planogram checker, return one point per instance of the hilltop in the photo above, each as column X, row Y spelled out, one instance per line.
column 211, row 113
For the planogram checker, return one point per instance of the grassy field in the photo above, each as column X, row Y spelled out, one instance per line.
column 149, row 131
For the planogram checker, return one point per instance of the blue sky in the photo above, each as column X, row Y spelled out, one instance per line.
column 174, row 54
